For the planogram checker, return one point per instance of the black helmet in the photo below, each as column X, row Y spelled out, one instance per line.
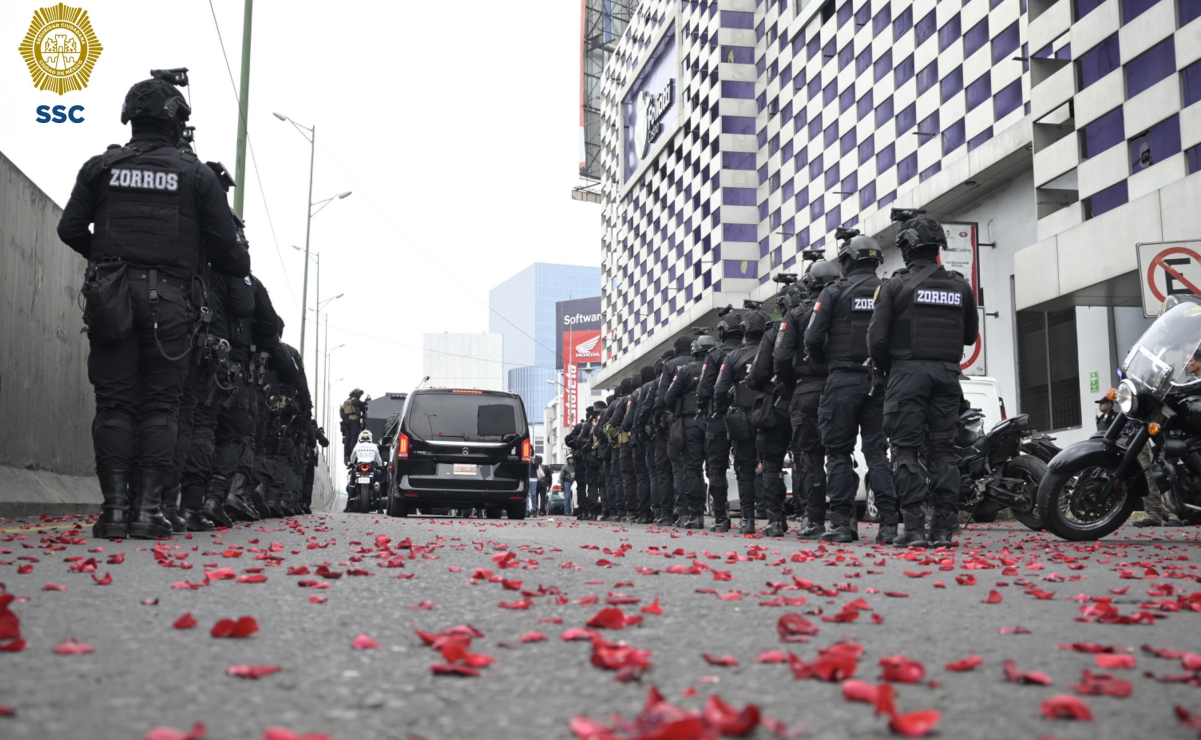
column 155, row 99
column 683, row 346
column 920, row 232
column 703, row 344
column 356, row 393
column 648, row 373
column 755, row 322
column 790, row 298
column 658, row 368
column 820, row 274
column 730, row 324
column 860, row 248
column 627, row 386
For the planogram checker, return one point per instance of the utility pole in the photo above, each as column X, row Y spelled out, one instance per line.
column 243, row 105
column 308, row 230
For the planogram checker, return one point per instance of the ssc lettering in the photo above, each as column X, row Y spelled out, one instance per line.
column 144, row 180
column 939, row 298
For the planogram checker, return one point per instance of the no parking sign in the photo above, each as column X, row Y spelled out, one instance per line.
column 1166, row 269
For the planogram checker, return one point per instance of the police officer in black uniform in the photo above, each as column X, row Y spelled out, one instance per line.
column 664, row 496
column 665, row 419
column 689, row 427
column 611, row 470
column 159, row 216
column 837, row 335
column 735, row 399
column 773, row 432
column 353, row 413
column 639, row 443
column 621, row 440
column 717, row 437
column 808, row 377
column 924, row 317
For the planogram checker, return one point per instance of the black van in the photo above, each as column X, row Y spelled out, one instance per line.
column 462, row 449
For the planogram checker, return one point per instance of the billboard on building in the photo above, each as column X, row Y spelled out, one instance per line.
column 580, row 343
column 652, row 107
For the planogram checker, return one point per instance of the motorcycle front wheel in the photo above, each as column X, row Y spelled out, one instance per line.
column 1032, row 470
column 1084, row 501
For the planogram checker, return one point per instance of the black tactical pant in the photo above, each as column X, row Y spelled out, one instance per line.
column 183, row 442
column 642, row 480
column 137, row 388
column 663, row 471
column 306, row 486
column 772, row 444
column 847, row 411
column 350, row 437
column 612, row 473
column 629, row 478
column 717, row 462
column 808, row 454
column 693, row 460
column 652, row 476
column 233, row 425
column 246, row 450
column 198, row 465
column 590, row 491
column 746, row 459
column 921, row 416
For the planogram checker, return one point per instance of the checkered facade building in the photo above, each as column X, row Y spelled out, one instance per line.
column 796, row 117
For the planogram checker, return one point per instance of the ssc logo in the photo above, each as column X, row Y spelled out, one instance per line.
column 60, row 48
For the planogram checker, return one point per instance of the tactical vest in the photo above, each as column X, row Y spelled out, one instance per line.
column 744, row 397
column 687, row 405
column 847, row 338
column 929, row 324
column 802, row 315
column 350, row 412
column 147, row 208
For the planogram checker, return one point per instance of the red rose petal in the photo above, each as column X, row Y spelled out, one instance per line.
column 533, row 637
column 185, row 622
column 966, row 664
column 1065, row 706
column 725, row 660
column 71, row 646
column 915, row 724
column 653, row 608
column 252, row 671
column 170, row 733
column 994, row 597
column 363, row 642
column 1111, row 661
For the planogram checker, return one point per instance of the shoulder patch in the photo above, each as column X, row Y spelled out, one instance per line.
column 783, row 325
column 817, row 306
column 248, row 281
column 876, row 295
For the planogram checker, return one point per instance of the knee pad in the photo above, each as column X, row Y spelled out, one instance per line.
column 907, row 457
column 160, row 423
column 874, row 458
column 112, row 421
column 840, row 458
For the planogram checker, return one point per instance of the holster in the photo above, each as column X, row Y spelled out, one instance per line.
column 108, row 309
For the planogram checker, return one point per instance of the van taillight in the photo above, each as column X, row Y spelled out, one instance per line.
column 1004, row 415
column 527, row 451
column 402, row 446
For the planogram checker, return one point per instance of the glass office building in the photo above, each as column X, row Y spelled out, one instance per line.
column 523, row 310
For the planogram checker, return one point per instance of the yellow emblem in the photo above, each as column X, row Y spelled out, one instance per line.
column 60, row 48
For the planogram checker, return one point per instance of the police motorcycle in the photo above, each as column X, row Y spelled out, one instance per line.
column 367, row 480
column 1093, row 486
column 995, row 472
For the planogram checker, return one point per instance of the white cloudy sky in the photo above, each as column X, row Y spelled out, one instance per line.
column 454, row 123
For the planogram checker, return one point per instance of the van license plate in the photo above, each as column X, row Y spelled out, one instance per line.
column 464, row 469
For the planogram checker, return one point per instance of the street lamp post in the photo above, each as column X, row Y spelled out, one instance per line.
column 316, row 256
column 308, row 228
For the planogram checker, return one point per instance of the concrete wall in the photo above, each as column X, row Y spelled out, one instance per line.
column 46, row 402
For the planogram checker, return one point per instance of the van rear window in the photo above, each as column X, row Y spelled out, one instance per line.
column 449, row 417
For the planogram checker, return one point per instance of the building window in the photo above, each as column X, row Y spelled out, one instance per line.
column 850, row 185
column 865, row 104
column 904, row 22
column 1132, row 9
column 907, row 169
column 953, row 137
column 815, row 87
column 904, row 72
column 867, row 196
column 949, row 33
column 848, row 142
column 950, row 85
column 832, row 177
column 815, row 168
column 926, row 28
column 1084, row 7
column 813, row 48
column 888, row 198
column 802, row 159
column 1048, row 369
column 846, row 55
column 815, row 128
column 863, row 62
column 1098, row 61
column 1150, row 67
column 931, row 171
column 1006, row 43
column 1008, row 99
column 830, row 93
column 867, row 149
column 979, row 91
column 976, row 38
column 831, row 135
column 1106, row 200
column 928, row 129
column 1187, row 11
column 882, row 20
column 884, row 112
column 863, row 15
column 846, row 99
column 886, row 158
column 1102, row 133
column 833, row 217
column 884, row 64
column 844, row 13
column 906, row 119
column 1155, row 145
column 1191, row 81
column 979, row 139
column 817, row 209
column 1193, row 156
column 927, row 77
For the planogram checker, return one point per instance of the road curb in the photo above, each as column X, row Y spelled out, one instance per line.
column 32, row 492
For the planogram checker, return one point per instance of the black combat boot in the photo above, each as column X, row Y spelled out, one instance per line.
column 748, row 520
column 171, row 510
column 148, row 521
column 195, row 521
column 812, row 527
column 259, row 501
column 914, row 533
column 721, row 516
column 214, row 499
column 645, row 519
column 842, row 529
column 694, row 521
column 778, row 527
column 235, row 504
column 888, row 528
column 113, row 522
column 940, row 532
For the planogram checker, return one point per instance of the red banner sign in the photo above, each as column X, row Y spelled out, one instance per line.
column 579, row 348
column 571, row 394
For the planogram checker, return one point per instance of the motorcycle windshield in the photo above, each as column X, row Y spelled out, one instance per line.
column 1160, row 357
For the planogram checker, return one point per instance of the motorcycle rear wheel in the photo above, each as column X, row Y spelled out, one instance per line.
column 1083, row 502
column 1032, row 470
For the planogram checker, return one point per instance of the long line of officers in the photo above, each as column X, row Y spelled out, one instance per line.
column 203, row 415
column 854, row 356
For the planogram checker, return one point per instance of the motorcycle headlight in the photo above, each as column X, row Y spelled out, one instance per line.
column 1126, row 397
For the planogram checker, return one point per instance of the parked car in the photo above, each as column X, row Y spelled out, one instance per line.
column 461, row 449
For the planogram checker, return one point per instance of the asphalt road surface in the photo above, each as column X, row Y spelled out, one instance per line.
column 726, row 598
